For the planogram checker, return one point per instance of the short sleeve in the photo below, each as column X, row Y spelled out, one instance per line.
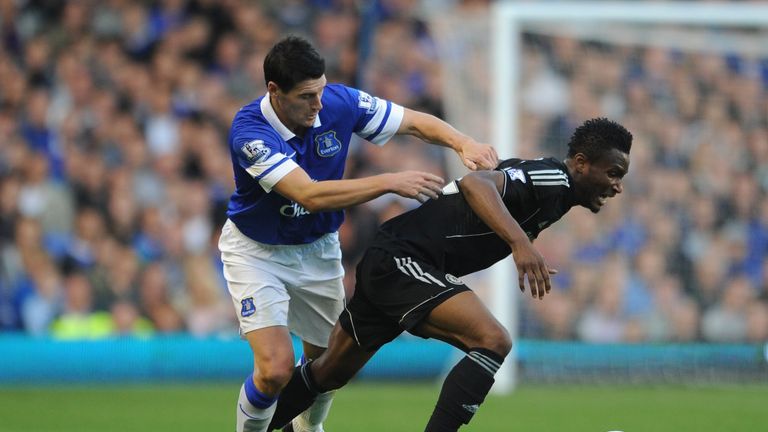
column 516, row 186
column 263, row 159
column 377, row 120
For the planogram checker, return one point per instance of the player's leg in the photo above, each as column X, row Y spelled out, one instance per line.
column 361, row 329
column 311, row 419
column 465, row 322
column 340, row 362
column 261, row 302
column 427, row 302
column 330, row 371
column 273, row 366
column 317, row 299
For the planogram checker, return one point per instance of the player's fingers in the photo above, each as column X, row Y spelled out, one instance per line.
column 437, row 187
column 434, row 178
column 470, row 164
column 540, row 283
column 490, row 159
column 547, row 281
column 521, row 279
column 532, row 285
column 431, row 189
column 429, row 193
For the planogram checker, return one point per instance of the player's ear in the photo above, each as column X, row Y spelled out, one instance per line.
column 272, row 88
column 582, row 163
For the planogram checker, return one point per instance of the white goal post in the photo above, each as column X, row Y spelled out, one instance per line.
column 508, row 19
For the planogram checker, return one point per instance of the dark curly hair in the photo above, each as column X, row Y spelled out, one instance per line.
column 597, row 136
column 291, row 61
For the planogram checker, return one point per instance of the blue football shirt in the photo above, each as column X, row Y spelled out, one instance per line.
column 263, row 151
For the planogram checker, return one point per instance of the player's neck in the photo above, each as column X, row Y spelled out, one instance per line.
column 297, row 129
column 571, row 165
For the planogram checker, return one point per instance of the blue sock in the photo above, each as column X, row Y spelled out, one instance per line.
column 255, row 397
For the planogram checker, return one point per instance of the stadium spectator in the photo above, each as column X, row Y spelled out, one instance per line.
column 78, row 319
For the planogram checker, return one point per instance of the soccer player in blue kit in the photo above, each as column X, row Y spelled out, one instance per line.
column 279, row 245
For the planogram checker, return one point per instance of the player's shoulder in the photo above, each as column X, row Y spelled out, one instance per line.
column 548, row 176
column 535, row 173
column 532, row 165
column 341, row 102
column 249, row 123
column 338, row 95
column 249, row 115
column 549, row 163
column 349, row 95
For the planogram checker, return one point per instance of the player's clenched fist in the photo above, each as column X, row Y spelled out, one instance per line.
column 477, row 156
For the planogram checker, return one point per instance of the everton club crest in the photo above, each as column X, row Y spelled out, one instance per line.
column 327, row 144
column 248, row 307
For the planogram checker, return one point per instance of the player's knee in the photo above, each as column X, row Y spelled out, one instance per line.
column 496, row 339
column 271, row 377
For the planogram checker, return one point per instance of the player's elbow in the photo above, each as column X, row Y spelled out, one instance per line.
column 312, row 204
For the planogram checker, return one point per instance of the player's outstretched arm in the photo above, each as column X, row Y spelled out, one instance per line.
column 431, row 129
column 318, row 196
column 482, row 191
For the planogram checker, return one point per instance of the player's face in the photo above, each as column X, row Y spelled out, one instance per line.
column 299, row 107
column 602, row 179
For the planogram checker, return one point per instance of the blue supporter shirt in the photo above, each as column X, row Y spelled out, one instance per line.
column 263, row 151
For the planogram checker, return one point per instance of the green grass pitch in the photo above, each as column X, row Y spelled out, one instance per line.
column 387, row 407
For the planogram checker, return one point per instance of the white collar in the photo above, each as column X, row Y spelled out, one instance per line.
column 274, row 121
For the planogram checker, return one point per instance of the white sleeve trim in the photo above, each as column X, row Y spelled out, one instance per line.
column 375, row 121
column 393, row 124
column 270, row 180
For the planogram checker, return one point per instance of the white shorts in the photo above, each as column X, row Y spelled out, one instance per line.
column 298, row 286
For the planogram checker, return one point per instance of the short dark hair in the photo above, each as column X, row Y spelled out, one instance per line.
column 291, row 61
column 595, row 137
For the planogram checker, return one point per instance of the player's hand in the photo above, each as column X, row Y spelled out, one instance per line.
column 531, row 263
column 417, row 185
column 477, row 156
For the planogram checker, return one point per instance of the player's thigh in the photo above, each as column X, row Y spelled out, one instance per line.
column 314, row 310
column 465, row 322
column 317, row 293
column 394, row 293
column 255, row 283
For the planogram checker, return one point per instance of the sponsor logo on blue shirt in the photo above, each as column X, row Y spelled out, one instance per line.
column 327, row 144
column 293, row 210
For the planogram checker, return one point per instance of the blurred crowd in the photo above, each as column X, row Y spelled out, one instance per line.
column 114, row 165
column 682, row 254
column 115, row 170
